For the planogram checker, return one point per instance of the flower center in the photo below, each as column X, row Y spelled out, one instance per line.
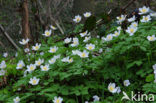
column 75, row 42
column 116, row 34
column 47, row 33
column 17, row 100
column 146, row 18
column 83, row 54
column 24, row 41
column 70, row 60
column 44, row 68
column 20, row 65
column 131, row 30
column 120, row 18
column 31, row 68
column 37, row 47
column 52, row 60
column 134, row 25
column 151, row 38
column 111, row 88
column 144, row 10
column 90, row 47
column 39, row 63
column 34, row 82
column 57, row 101
column 53, row 50
column 109, row 37
column 78, row 19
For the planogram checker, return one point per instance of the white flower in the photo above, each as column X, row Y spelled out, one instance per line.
column 96, row 98
column 155, row 73
column 31, row 67
column 25, row 73
column 57, row 56
column 34, row 81
column 134, row 24
column 52, row 60
column 19, row 89
column 26, row 50
column 75, row 52
column 100, row 50
column 41, row 53
column 87, row 14
column 126, row 83
column 151, row 38
column 77, row 19
column 16, row 100
column 146, row 18
column 45, row 67
column 53, row 49
column 109, row 37
column 103, row 38
column 3, row 65
column 67, row 59
column 86, row 39
column 16, row 54
column 83, row 54
column 86, row 102
column 112, row 88
column 70, row 60
column 58, row 100
column 84, row 34
column 121, row 19
column 36, row 47
column 132, row 19
column 154, row 66
column 53, row 27
column 116, row 33
column 20, row 64
column 143, row 10
column 67, row 40
column 153, row 14
column 118, row 90
column 24, row 41
column 39, row 62
column 119, row 28
column 90, row 46
column 2, row 72
column 47, row 33
column 131, row 30
column 75, row 42
column 5, row 55
column 88, row 34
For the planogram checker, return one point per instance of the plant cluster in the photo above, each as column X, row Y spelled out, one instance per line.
column 85, row 68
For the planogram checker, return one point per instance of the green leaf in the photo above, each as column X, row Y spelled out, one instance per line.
column 150, row 78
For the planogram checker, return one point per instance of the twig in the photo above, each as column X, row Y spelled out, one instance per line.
column 101, row 19
column 58, row 12
column 124, row 8
column 147, row 3
column 55, row 21
column 12, row 24
column 8, row 37
column 73, row 34
column 59, row 27
column 1, row 43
